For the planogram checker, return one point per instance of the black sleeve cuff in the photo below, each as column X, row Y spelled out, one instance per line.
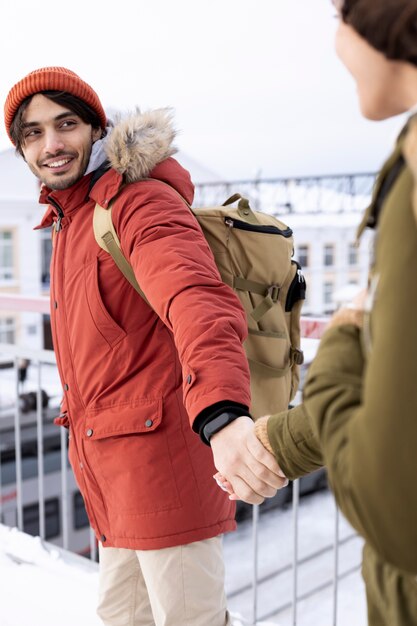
column 211, row 412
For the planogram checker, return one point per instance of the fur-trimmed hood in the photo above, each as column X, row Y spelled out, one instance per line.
column 139, row 141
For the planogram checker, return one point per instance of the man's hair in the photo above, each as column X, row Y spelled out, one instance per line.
column 64, row 99
column 390, row 26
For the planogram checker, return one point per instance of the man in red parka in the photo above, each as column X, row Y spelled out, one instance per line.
column 136, row 376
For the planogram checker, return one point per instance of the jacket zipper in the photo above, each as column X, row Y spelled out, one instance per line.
column 58, row 228
column 58, row 225
column 269, row 230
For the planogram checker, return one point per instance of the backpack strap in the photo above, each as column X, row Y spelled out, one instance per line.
column 106, row 237
column 270, row 293
column 108, row 240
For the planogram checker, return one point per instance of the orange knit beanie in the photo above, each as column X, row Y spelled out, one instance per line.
column 51, row 78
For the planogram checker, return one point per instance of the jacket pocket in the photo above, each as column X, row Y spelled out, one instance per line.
column 108, row 328
column 127, row 453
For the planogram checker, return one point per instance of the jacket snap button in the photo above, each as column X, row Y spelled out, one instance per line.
column 103, row 538
column 189, row 379
column 148, row 423
column 89, row 432
column 66, row 387
column 55, row 304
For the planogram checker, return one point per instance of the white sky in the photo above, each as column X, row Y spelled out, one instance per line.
column 256, row 85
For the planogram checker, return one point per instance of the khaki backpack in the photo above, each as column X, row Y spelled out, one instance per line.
column 253, row 252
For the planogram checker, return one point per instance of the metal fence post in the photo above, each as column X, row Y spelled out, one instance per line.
column 255, row 520
column 336, row 565
column 1, row 489
column 295, row 502
column 93, row 546
column 41, row 470
column 18, row 450
column 64, row 489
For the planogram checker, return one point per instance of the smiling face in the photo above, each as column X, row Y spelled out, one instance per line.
column 56, row 143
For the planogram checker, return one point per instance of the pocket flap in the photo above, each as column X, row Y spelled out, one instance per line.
column 141, row 416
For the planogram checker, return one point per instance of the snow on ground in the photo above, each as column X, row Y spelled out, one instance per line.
column 44, row 586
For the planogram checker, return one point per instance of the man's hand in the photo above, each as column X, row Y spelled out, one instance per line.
column 240, row 457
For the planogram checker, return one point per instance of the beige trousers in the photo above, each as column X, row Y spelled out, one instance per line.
column 180, row 586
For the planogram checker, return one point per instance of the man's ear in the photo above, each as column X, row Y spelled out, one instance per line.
column 96, row 134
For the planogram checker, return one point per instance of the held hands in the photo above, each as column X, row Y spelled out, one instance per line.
column 247, row 471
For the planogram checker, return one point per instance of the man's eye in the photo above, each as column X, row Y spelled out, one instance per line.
column 31, row 133
column 68, row 123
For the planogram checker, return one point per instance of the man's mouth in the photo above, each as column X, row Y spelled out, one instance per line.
column 59, row 164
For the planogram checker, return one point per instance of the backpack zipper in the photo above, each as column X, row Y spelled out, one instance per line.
column 297, row 288
column 269, row 230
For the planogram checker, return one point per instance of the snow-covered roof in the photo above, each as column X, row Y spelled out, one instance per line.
column 199, row 173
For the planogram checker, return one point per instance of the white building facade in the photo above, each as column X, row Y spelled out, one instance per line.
column 20, row 249
column 335, row 266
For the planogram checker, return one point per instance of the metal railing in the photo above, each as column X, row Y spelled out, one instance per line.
column 292, row 568
column 302, row 194
column 42, row 361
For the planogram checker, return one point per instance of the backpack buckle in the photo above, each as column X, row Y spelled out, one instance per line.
column 273, row 292
column 297, row 356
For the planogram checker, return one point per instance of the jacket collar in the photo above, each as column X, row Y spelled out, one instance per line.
column 69, row 200
column 387, row 177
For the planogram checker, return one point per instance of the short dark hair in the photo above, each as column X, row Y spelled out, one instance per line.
column 390, row 26
column 64, row 99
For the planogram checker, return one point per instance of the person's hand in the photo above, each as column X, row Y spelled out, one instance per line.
column 223, row 483
column 249, row 469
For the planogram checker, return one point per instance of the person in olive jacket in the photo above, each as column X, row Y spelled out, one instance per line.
column 359, row 411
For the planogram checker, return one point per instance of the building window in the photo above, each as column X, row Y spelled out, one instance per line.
column 52, row 523
column 328, row 289
column 328, row 258
column 46, row 253
column 353, row 255
column 7, row 330
column 80, row 514
column 303, row 255
column 7, row 271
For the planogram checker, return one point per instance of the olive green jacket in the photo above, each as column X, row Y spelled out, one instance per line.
column 359, row 412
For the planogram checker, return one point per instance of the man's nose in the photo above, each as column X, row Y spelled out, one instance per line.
column 53, row 142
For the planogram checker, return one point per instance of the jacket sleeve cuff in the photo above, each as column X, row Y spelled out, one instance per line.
column 210, row 413
column 292, row 439
column 261, row 431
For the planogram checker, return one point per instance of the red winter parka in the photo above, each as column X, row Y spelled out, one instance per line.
column 134, row 379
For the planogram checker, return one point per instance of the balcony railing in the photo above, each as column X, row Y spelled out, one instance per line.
column 302, row 194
